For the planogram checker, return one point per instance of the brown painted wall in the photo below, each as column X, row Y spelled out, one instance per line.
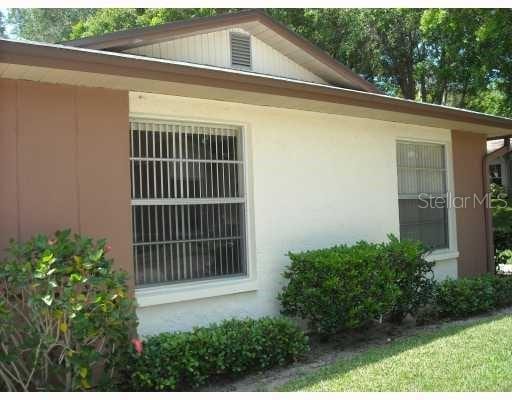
column 64, row 163
column 468, row 152
column 8, row 177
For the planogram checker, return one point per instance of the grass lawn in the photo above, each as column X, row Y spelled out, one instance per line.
column 475, row 357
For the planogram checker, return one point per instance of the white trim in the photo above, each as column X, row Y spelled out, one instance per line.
column 176, row 292
column 192, row 200
column 441, row 255
column 452, row 217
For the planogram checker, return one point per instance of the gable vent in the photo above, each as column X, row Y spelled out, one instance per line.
column 240, row 50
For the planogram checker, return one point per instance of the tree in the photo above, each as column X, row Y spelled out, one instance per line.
column 383, row 45
column 453, row 56
column 114, row 19
column 2, row 26
column 46, row 24
column 340, row 32
column 395, row 34
column 495, row 46
column 470, row 56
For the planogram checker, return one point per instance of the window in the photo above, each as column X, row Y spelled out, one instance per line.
column 188, row 202
column 240, row 50
column 422, row 193
column 495, row 171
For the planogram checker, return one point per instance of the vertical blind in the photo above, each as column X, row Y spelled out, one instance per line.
column 422, row 193
column 188, row 202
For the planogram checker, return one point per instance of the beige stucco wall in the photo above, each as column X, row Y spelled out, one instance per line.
column 314, row 180
column 63, row 163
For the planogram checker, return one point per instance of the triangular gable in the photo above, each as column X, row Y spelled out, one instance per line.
column 212, row 48
column 314, row 63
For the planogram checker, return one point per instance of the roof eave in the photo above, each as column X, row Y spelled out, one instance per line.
column 74, row 59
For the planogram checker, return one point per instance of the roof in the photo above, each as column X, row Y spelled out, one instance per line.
column 98, row 68
column 256, row 22
column 493, row 145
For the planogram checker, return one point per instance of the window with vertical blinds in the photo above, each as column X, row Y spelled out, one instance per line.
column 422, row 193
column 188, row 201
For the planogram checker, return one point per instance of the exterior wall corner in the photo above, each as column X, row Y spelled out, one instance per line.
column 468, row 152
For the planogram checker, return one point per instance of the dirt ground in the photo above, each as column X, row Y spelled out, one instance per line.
column 343, row 346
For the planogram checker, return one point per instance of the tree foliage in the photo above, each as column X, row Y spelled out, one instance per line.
column 457, row 57
column 113, row 19
column 2, row 25
column 46, row 24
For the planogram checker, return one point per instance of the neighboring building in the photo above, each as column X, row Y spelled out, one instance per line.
column 500, row 168
column 205, row 150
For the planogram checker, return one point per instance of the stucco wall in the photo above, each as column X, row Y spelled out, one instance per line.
column 315, row 180
column 63, row 163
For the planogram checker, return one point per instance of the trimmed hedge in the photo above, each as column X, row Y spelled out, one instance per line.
column 342, row 287
column 502, row 286
column 184, row 360
column 464, row 297
column 413, row 275
column 346, row 287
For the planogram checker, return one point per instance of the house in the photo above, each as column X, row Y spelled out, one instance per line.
column 205, row 150
column 500, row 170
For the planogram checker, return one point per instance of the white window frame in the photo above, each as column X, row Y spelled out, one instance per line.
column 200, row 289
column 451, row 251
column 501, row 177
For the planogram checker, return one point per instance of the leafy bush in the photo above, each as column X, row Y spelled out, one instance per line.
column 341, row 287
column 469, row 296
column 502, row 286
column 456, row 298
column 183, row 360
column 414, row 276
column 64, row 314
column 502, row 218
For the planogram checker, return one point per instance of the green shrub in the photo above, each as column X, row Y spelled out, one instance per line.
column 502, row 218
column 64, row 313
column 184, row 360
column 341, row 287
column 502, row 287
column 346, row 287
column 459, row 298
column 414, row 276
column 462, row 297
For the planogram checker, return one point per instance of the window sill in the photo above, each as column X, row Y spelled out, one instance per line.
column 153, row 296
column 441, row 255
